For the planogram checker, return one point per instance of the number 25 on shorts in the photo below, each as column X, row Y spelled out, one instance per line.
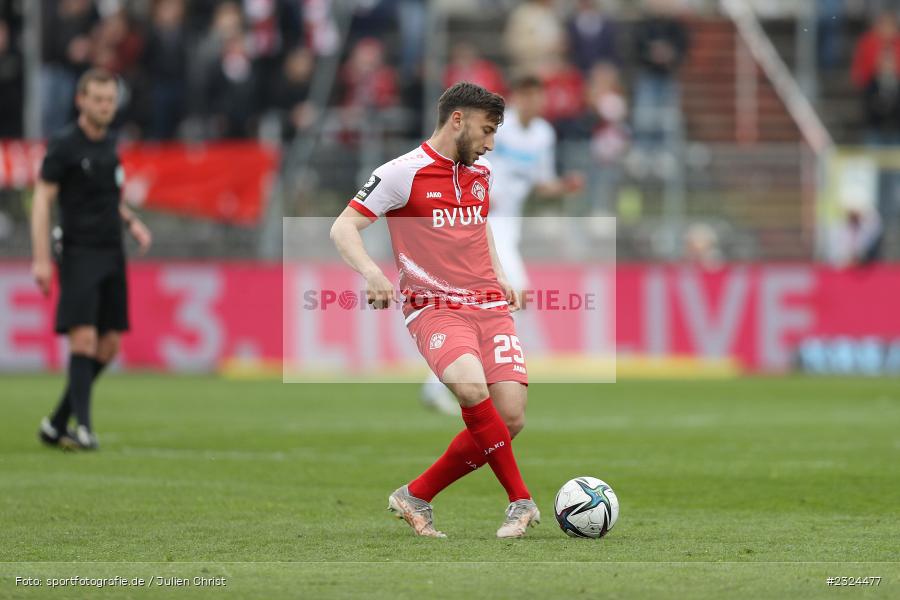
column 505, row 343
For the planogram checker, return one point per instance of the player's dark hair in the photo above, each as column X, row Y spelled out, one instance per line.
column 94, row 75
column 465, row 95
column 527, row 82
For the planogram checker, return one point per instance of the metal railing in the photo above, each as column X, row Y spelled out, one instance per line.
column 753, row 41
column 786, row 86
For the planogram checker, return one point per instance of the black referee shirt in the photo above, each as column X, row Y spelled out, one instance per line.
column 89, row 178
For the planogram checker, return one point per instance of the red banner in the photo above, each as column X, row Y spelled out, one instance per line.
column 224, row 181
column 191, row 316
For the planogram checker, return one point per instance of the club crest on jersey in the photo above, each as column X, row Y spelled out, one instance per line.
column 478, row 191
column 458, row 215
column 437, row 340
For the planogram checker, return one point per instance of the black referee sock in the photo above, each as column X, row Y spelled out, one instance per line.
column 60, row 417
column 81, row 375
column 63, row 412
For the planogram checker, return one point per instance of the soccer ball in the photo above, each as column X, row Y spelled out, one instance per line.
column 586, row 507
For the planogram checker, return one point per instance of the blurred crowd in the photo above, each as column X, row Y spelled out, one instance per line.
column 876, row 74
column 194, row 69
column 575, row 48
column 213, row 69
column 12, row 72
column 203, row 69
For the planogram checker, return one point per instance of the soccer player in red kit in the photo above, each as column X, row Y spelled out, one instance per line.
column 456, row 298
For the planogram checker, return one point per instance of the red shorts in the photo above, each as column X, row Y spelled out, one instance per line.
column 444, row 334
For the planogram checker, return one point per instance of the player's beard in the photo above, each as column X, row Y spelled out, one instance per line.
column 464, row 150
column 100, row 120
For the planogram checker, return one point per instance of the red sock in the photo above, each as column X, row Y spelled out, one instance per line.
column 491, row 435
column 461, row 458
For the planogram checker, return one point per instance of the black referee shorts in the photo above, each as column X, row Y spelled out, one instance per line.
column 93, row 289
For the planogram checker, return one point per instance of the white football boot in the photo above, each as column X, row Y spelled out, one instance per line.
column 414, row 511
column 520, row 515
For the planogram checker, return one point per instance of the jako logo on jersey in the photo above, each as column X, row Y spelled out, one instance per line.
column 478, row 191
column 437, row 340
column 496, row 446
column 433, row 195
column 461, row 215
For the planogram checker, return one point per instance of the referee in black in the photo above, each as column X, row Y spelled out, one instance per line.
column 81, row 169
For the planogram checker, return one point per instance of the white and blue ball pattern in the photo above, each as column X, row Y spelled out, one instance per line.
column 586, row 507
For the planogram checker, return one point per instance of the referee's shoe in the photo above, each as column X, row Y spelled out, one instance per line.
column 79, row 439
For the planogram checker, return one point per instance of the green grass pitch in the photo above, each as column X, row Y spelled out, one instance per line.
column 746, row 488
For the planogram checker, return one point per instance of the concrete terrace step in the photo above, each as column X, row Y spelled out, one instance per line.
column 709, row 89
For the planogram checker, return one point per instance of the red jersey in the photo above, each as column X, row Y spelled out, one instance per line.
column 869, row 51
column 437, row 213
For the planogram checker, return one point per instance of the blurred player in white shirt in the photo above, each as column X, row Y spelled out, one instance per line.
column 523, row 160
